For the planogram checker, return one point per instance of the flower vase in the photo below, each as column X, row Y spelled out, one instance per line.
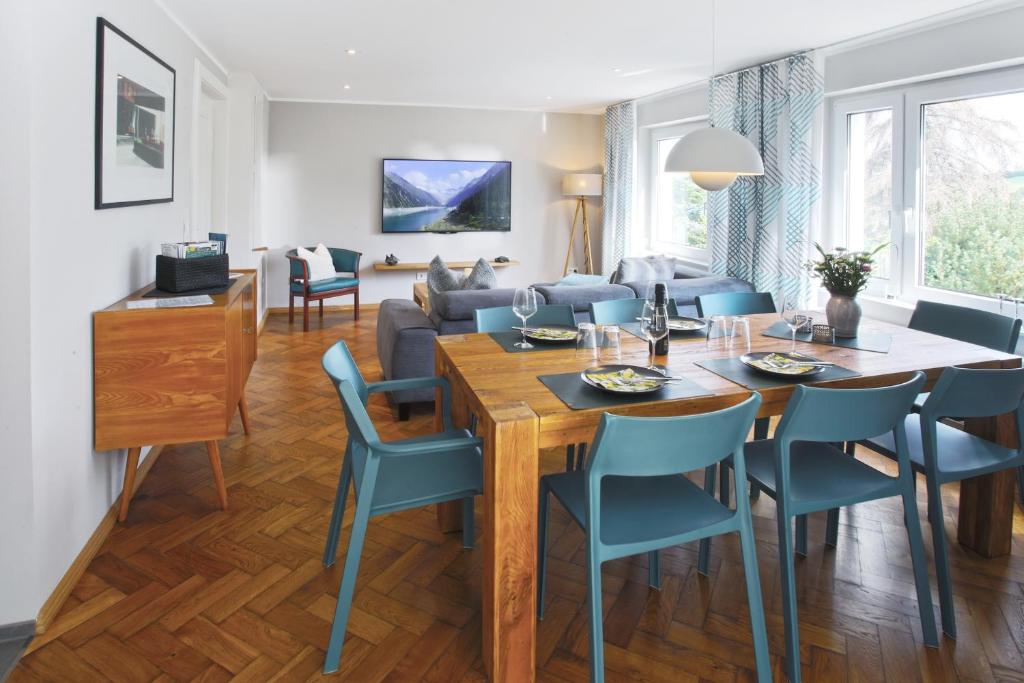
column 843, row 313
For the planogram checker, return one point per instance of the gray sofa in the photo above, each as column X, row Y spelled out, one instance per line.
column 405, row 334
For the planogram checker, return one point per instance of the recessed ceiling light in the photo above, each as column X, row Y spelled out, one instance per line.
column 347, row 86
column 350, row 51
column 616, row 70
column 548, row 97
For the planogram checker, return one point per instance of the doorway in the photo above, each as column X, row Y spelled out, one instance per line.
column 208, row 212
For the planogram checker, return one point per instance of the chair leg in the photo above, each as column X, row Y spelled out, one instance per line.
column 542, row 548
column 467, row 522
column 710, row 474
column 942, row 575
column 291, row 308
column 754, row 599
column 348, row 577
column 832, row 528
column 570, row 457
column 723, row 484
column 654, row 569
column 355, row 295
column 596, row 614
column 321, row 302
column 305, row 314
column 924, row 593
column 801, row 535
column 403, row 412
column 761, row 426
column 789, row 595
column 334, row 530
column 581, row 456
column 1020, row 482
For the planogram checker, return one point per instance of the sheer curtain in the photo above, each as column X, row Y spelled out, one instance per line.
column 619, row 183
column 762, row 228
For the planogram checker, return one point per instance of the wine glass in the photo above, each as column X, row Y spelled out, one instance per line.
column 793, row 318
column 654, row 325
column 524, row 305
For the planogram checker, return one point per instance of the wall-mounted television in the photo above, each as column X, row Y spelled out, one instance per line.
column 422, row 195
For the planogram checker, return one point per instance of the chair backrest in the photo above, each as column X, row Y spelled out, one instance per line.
column 734, row 303
column 655, row 446
column 345, row 260
column 620, row 311
column 972, row 392
column 341, row 368
column 831, row 415
column 501, row 318
column 992, row 330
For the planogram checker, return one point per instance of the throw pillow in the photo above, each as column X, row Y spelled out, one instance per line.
column 319, row 262
column 481, row 277
column 439, row 278
column 645, row 269
column 579, row 279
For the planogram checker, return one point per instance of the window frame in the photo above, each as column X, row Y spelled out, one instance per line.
column 907, row 104
column 655, row 135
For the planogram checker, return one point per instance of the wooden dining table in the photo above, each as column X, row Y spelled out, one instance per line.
column 517, row 416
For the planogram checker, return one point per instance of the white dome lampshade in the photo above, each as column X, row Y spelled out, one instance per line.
column 581, row 185
column 714, row 157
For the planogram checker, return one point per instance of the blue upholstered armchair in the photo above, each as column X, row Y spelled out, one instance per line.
column 345, row 261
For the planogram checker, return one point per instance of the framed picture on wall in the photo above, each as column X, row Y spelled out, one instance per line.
column 134, row 122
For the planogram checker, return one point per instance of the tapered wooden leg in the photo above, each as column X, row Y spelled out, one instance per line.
column 986, row 503
column 243, row 412
column 305, row 314
column 321, row 302
column 355, row 294
column 291, row 308
column 218, row 474
column 130, row 468
column 510, row 540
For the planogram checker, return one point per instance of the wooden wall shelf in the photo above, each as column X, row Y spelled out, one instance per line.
column 381, row 266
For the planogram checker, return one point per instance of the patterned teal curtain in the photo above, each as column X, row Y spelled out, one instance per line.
column 619, row 183
column 762, row 228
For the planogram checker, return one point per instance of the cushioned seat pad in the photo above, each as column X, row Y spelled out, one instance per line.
column 818, row 472
column 959, row 454
column 327, row 285
column 638, row 509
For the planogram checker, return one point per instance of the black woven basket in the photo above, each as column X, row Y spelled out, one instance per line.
column 186, row 274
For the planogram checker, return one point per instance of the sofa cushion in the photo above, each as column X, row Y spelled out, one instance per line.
column 683, row 272
column 684, row 291
column 578, row 279
column 460, row 304
column 644, row 269
column 327, row 285
column 580, row 297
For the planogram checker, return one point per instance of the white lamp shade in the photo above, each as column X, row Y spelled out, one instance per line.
column 581, row 185
column 714, row 157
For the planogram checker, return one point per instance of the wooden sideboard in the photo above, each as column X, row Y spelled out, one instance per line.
column 173, row 375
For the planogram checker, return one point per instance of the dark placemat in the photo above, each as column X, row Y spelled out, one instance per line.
column 865, row 341
column 161, row 294
column 634, row 329
column 578, row 395
column 735, row 371
column 508, row 341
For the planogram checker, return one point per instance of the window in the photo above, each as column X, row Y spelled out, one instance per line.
column 936, row 172
column 678, row 222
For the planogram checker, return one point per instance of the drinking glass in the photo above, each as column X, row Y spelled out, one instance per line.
column 610, row 346
column 718, row 333
column 586, row 342
column 739, row 335
column 654, row 325
column 793, row 318
column 524, row 305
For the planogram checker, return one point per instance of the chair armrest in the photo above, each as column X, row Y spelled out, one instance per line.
column 398, row 448
column 416, row 383
column 305, row 271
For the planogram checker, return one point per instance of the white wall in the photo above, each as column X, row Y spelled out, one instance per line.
column 324, row 185
column 81, row 260
column 16, row 604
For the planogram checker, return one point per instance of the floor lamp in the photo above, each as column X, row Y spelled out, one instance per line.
column 581, row 186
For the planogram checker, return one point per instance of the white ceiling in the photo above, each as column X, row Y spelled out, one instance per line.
column 557, row 55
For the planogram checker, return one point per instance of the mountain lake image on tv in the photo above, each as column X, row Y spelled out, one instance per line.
column 447, row 196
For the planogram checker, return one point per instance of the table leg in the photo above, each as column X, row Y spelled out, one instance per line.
column 986, row 503
column 511, row 471
column 449, row 515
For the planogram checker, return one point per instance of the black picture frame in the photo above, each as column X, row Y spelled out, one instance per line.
column 100, row 202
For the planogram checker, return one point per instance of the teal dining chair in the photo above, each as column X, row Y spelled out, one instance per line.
column 633, row 498
column 501, row 318
column 619, row 311
column 734, row 303
column 946, row 454
column 391, row 476
column 804, row 470
column 991, row 330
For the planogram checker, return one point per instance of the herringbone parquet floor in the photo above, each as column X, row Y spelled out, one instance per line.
column 183, row 591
